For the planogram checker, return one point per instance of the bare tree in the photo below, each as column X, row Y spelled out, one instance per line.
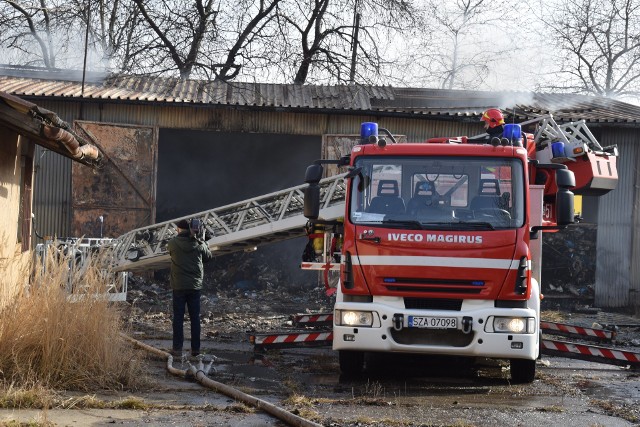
column 463, row 43
column 24, row 23
column 116, row 29
column 457, row 26
column 322, row 42
column 319, row 41
column 243, row 38
column 599, row 45
column 214, row 43
column 48, row 32
column 179, row 32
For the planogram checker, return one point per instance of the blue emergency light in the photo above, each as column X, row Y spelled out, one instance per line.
column 368, row 129
column 512, row 131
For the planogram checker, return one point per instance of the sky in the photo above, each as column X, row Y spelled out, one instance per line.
column 517, row 50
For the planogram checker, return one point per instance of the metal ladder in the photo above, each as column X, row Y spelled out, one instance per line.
column 576, row 136
column 236, row 227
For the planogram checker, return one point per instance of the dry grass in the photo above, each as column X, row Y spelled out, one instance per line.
column 49, row 342
column 553, row 316
column 34, row 423
column 626, row 412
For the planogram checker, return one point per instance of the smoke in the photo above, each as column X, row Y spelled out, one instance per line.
column 71, row 56
column 511, row 100
column 68, row 49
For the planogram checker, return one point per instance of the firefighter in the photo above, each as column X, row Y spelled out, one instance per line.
column 493, row 122
column 493, row 125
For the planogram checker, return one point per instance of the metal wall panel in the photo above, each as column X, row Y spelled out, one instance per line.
column 615, row 264
column 52, row 194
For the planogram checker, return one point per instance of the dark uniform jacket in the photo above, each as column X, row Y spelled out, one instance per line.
column 495, row 132
column 187, row 256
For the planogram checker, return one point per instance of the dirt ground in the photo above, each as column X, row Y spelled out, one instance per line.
column 394, row 391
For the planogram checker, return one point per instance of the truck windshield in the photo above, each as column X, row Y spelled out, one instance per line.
column 455, row 193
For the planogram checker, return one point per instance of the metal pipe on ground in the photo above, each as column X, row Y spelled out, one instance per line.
column 201, row 377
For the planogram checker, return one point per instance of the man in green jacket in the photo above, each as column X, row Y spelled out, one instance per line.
column 188, row 253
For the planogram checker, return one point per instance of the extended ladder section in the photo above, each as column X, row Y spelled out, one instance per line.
column 241, row 226
column 573, row 145
column 573, row 134
column 566, row 141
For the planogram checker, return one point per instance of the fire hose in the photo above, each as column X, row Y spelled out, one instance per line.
column 199, row 374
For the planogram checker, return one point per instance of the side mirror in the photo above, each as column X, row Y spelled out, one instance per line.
column 565, row 179
column 313, row 174
column 312, row 193
column 312, row 201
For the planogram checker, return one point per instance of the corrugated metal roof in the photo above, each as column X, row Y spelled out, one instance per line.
column 434, row 103
column 168, row 90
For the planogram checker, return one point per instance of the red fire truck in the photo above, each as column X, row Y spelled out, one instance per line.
column 441, row 240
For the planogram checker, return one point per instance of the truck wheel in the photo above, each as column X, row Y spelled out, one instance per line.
column 523, row 370
column 351, row 362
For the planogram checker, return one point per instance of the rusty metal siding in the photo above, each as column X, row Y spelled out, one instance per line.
column 121, row 195
column 52, row 194
column 616, row 246
column 243, row 120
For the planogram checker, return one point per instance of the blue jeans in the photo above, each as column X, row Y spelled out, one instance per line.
column 190, row 299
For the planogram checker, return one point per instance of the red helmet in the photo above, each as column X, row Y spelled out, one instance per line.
column 493, row 117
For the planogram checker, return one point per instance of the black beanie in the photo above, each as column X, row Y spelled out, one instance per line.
column 184, row 224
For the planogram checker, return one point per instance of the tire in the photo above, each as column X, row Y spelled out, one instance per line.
column 523, row 371
column 351, row 362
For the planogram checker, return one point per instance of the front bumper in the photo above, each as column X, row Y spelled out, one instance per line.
column 472, row 337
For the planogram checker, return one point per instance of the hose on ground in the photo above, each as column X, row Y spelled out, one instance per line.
column 201, row 377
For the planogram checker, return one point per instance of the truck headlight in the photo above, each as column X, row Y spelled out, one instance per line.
column 516, row 325
column 355, row 318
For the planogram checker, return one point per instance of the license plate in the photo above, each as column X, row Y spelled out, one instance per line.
column 433, row 322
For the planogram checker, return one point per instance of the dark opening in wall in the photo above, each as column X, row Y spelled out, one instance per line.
column 201, row 170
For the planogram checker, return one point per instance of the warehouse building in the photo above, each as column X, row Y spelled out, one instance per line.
column 176, row 147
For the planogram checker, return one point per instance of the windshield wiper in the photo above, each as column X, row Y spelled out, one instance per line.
column 406, row 222
column 460, row 225
column 476, row 225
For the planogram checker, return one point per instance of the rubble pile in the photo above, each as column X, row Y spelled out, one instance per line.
column 255, row 291
column 569, row 262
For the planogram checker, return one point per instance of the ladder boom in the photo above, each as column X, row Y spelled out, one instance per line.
column 239, row 226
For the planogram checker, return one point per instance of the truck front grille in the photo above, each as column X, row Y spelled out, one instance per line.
column 442, row 337
column 433, row 304
column 466, row 287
